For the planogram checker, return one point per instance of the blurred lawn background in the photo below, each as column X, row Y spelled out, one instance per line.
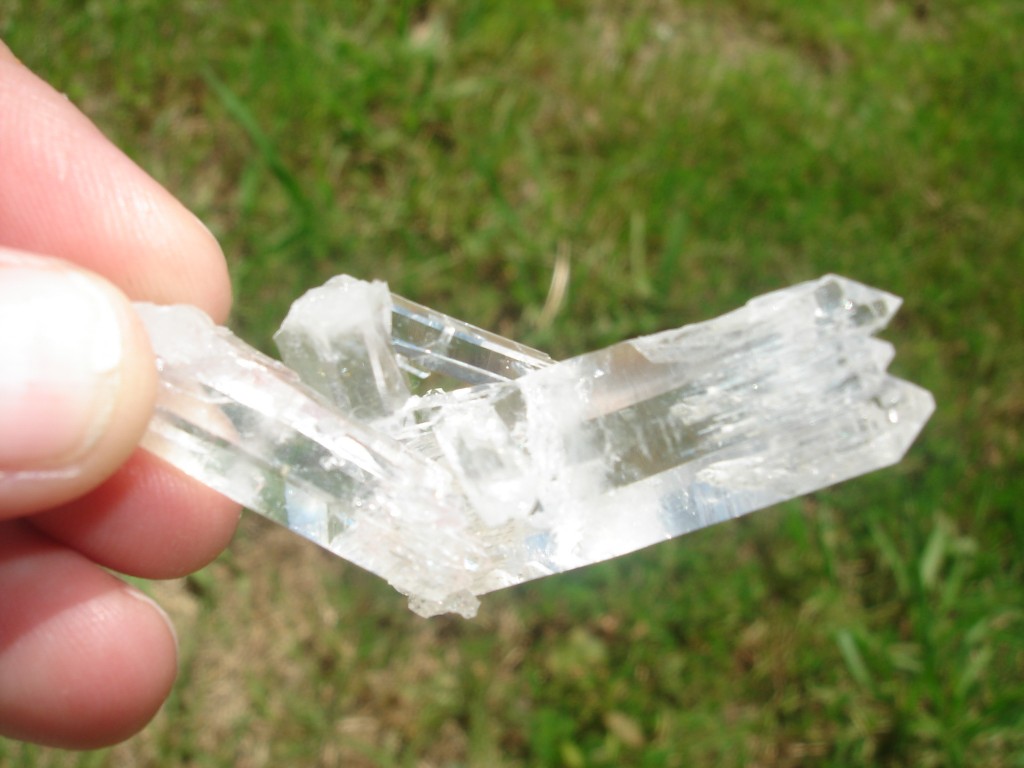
column 678, row 158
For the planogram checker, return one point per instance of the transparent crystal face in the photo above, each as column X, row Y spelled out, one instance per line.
column 526, row 467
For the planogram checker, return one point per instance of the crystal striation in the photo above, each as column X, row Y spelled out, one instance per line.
column 526, row 467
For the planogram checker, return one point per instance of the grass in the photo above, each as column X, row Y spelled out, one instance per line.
column 678, row 158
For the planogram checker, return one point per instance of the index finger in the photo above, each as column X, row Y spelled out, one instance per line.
column 67, row 191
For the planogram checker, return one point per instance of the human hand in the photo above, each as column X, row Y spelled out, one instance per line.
column 85, row 660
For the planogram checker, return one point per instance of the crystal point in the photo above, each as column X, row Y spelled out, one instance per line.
column 526, row 467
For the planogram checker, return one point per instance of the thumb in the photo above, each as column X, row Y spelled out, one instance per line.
column 77, row 381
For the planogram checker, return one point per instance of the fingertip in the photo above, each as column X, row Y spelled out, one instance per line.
column 66, row 190
column 84, row 663
column 148, row 520
column 212, row 283
column 78, row 383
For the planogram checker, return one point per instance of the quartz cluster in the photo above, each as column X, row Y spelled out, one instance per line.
column 453, row 462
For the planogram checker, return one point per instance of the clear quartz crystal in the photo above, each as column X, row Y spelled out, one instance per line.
column 531, row 467
column 350, row 340
column 248, row 427
column 429, row 343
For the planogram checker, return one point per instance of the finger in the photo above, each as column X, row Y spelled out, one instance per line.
column 148, row 520
column 85, row 661
column 77, row 384
column 66, row 190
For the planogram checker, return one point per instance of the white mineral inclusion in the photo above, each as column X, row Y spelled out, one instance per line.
column 339, row 342
column 525, row 467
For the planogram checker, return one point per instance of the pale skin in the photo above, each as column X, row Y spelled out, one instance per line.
column 86, row 661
